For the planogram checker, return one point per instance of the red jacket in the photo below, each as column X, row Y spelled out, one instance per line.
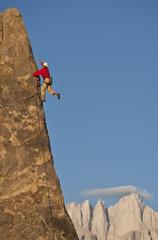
column 44, row 72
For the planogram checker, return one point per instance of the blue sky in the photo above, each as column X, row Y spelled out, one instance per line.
column 103, row 56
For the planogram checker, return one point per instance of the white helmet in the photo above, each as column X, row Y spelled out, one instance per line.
column 45, row 64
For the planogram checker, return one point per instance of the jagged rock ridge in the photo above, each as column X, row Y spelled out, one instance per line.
column 31, row 201
column 129, row 219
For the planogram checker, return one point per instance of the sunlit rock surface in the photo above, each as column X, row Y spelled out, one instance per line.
column 31, row 201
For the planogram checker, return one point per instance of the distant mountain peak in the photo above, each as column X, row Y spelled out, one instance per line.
column 129, row 219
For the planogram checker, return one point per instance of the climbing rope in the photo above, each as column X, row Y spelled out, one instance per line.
column 45, row 166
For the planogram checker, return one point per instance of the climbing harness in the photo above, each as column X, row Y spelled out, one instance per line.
column 45, row 165
column 50, row 81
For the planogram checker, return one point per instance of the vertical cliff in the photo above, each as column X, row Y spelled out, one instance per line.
column 31, row 201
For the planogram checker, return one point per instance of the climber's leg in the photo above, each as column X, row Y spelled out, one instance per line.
column 47, row 81
column 50, row 90
column 43, row 91
column 53, row 92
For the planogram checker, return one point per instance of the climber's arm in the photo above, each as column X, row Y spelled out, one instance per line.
column 36, row 74
column 39, row 60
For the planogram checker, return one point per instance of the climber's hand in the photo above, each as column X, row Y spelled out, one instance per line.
column 39, row 60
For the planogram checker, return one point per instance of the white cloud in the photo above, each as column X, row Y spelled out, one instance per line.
column 117, row 192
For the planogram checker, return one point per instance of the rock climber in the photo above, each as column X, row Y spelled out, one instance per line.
column 47, row 80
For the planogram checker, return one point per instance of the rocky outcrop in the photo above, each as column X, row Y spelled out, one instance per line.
column 129, row 219
column 31, row 201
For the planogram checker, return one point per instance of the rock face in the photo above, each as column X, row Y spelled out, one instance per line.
column 31, row 201
column 129, row 219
